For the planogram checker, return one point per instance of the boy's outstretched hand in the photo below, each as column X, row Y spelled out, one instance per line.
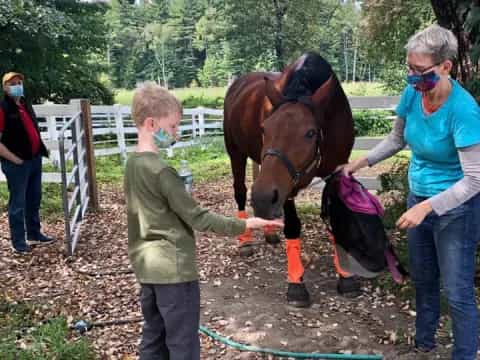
column 256, row 223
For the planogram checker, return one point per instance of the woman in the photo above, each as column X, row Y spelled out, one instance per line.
column 440, row 122
column 21, row 151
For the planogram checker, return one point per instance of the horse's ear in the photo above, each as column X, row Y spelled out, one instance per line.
column 272, row 93
column 324, row 92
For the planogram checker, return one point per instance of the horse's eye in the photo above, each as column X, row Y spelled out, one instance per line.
column 310, row 134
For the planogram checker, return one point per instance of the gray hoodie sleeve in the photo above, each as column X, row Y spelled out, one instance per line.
column 463, row 189
column 393, row 143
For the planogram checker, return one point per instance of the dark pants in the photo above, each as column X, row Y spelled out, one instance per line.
column 25, row 188
column 172, row 317
column 444, row 247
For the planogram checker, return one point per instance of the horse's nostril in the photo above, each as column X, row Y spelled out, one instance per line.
column 275, row 196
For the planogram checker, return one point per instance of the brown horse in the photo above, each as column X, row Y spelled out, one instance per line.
column 298, row 125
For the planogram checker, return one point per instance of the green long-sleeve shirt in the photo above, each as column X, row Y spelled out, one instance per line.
column 161, row 219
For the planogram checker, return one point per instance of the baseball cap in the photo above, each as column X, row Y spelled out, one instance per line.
column 10, row 75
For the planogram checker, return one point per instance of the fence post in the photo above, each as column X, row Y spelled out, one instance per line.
column 194, row 123
column 53, row 138
column 201, row 120
column 90, row 151
column 120, row 132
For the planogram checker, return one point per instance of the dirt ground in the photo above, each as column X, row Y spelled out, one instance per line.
column 244, row 299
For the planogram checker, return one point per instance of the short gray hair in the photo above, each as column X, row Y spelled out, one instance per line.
column 435, row 41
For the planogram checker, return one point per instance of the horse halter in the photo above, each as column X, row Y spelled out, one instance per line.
column 296, row 174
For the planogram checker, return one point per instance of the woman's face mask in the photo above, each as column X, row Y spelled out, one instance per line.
column 15, row 90
column 424, row 80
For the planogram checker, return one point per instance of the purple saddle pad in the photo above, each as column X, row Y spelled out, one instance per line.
column 357, row 198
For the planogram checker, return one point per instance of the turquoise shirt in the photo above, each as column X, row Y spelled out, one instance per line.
column 435, row 138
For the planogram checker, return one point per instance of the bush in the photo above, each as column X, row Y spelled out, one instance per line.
column 215, row 102
column 394, row 184
column 372, row 122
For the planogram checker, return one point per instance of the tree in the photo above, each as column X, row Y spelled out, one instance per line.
column 58, row 45
column 387, row 25
column 463, row 18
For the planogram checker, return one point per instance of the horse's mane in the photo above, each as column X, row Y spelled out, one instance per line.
column 307, row 77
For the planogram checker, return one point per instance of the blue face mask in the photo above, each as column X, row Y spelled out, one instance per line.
column 15, row 90
column 163, row 139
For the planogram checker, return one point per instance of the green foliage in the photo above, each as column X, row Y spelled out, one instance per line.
column 180, row 42
column 190, row 97
column 387, row 25
column 49, row 339
column 473, row 86
column 58, row 45
column 205, row 101
column 372, row 122
column 395, row 184
column 363, row 88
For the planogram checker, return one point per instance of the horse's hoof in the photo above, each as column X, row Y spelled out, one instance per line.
column 272, row 239
column 246, row 250
column 349, row 287
column 298, row 295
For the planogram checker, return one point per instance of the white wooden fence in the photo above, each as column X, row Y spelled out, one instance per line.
column 114, row 131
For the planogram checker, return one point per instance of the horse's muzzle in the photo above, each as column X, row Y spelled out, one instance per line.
column 267, row 204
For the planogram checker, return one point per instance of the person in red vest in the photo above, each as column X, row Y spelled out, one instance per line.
column 21, row 151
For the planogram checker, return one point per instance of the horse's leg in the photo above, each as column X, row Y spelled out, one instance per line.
column 347, row 284
column 239, row 163
column 297, row 294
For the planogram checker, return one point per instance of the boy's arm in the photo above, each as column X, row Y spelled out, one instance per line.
column 190, row 212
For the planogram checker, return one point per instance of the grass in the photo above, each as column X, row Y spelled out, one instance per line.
column 24, row 336
column 124, row 96
column 363, row 88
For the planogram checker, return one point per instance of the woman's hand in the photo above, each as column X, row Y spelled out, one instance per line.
column 414, row 216
column 353, row 166
column 18, row 161
column 256, row 223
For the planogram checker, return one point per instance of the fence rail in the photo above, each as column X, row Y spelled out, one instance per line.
column 114, row 131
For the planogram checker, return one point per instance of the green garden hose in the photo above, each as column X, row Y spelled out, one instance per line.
column 280, row 353
column 83, row 326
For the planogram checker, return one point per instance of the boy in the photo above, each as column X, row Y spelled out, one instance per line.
column 161, row 244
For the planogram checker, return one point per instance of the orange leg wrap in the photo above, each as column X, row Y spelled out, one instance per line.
column 295, row 267
column 336, row 262
column 247, row 235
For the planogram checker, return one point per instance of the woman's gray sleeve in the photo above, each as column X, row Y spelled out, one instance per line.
column 389, row 146
column 463, row 189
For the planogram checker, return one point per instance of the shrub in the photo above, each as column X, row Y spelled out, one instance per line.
column 372, row 122
column 394, row 184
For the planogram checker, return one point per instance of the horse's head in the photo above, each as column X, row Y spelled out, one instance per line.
column 292, row 140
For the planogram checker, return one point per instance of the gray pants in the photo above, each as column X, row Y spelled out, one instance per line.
column 172, row 317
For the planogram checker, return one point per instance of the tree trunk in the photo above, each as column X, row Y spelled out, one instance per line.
column 345, row 55
column 354, row 71
column 448, row 17
column 280, row 10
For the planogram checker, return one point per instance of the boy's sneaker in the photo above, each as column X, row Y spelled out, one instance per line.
column 22, row 250
column 41, row 240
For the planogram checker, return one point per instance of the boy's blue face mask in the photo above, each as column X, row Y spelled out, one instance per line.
column 15, row 90
column 163, row 139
